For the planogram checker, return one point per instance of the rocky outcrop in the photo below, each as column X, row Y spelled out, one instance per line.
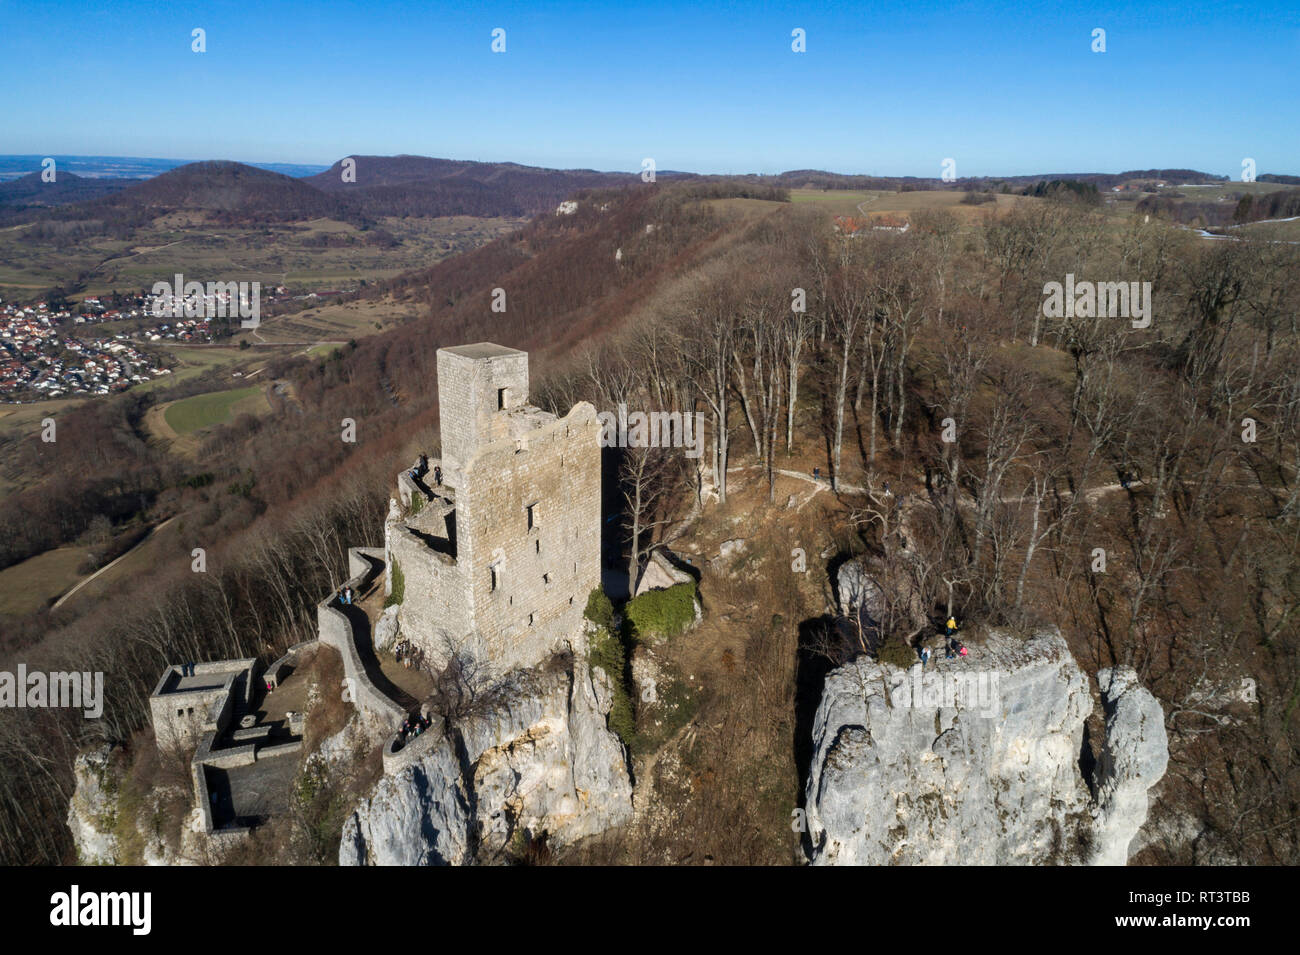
column 977, row 761
column 1134, row 756
column 386, row 629
column 92, row 811
column 537, row 759
column 95, row 817
column 420, row 816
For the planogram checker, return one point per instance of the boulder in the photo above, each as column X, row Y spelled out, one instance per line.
column 732, row 548
column 661, row 571
column 386, row 629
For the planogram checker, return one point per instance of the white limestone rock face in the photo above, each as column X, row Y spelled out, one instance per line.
column 538, row 760
column 93, row 818
column 976, row 762
column 1133, row 758
column 419, row 816
column 386, row 629
column 93, row 807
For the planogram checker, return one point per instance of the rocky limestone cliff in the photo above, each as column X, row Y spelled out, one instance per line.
column 537, row 760
column 977, row 761
column 92, row 811
column 95, row 818
column 1134, row 756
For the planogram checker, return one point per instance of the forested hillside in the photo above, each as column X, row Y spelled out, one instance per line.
column 1115, row 479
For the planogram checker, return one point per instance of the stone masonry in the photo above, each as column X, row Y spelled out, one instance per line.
column 498, row 561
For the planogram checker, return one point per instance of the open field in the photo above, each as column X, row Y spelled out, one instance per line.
column 39, row 581
column 840, row 202
column 194, row 360
column 1274, row 231
column 22, row 421
column 28, row 416
column 28, row 586
column 332, row 323
column 203, row 411
column 1230, row 190
column 872, row 202
column 321, row 253
column 140, row 560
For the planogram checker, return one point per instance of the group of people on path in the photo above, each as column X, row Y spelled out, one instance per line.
column 413, row 726
column 347, row 596
column 953, row 647
column 421, row 468
column 408, row 655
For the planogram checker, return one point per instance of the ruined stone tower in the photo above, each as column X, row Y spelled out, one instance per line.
column 498, row 560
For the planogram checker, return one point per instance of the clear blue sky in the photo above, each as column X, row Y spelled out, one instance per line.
column 890, row 88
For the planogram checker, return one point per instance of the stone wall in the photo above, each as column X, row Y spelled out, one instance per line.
column 528, row 586
column 469, row 377
column 181, row 716
column 509, row 586
column 336, row 631
column 434, row 600
column 290, row 658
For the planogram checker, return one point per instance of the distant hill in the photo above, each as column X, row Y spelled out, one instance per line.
column 231, row 192
column 31, row 191
column 125, row 167
column 419, row 185
column 234, row 193
column 821, row 179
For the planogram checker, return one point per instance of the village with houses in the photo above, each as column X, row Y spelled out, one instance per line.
column 44, row 352
column 100, row 345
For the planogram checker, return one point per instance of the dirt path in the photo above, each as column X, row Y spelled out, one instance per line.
column 58, row 603
column 823, row 484
column 863, row 203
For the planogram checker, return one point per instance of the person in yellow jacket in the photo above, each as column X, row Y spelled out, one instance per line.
column 951, row 625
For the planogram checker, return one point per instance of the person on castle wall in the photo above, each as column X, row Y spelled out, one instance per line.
column 437, row 476
column 346, row 596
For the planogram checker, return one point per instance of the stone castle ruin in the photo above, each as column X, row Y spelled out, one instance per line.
column 496, row 561
column 490, row 553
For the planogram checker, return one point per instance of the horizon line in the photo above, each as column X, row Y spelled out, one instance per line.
column 633, row 172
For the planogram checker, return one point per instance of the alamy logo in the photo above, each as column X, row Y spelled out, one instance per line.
column 214, row 300
column 56, row 690
column 75, row 908
column 968, row 691
column 654, row 429
column 1097, row 299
